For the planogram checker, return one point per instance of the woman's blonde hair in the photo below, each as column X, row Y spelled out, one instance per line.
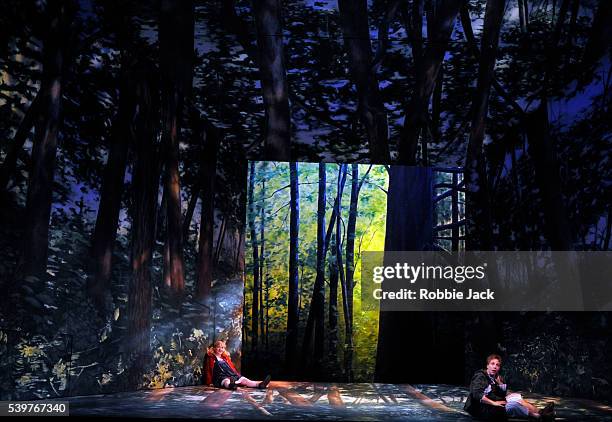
column 215, row 344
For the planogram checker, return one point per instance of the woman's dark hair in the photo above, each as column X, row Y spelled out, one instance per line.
column 494, row 356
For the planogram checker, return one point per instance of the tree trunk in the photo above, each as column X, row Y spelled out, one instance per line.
column 107, row 220
column 40, row 187
column 273, row 76
column 208, row 173
column 318, row 295
column 339, row 266
column 427, row 68
column 573, row 20
column 220, row 239
column 354, row 20
column 541, row 147
column 333, row 304
column 606, row 238
column 14, row 149
column 479, row 225
column 267, row 298
column 176, row 50
column 557, row 227
column 522, row 16
column 193, row 201
column 292, row 305
column 317, row 307
column 350, row 270
column 256, row 273
column 560, row 20
column 599, row 36
column 409, row 227
column 262, row 249
column 146, row 185
column 338, row 251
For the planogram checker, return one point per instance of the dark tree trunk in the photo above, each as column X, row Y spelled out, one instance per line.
column 427, row 68
column 338, row 267
column 354, row 20
column 167, row 274
column 455, row 213
column 338, row 252
column 599, row 37
column 267, row 298
column 146, row 185
column 409, row 227
column 40, row 187
column 332, row 313
column 220, row 239
column 606, row 239
column 479, row 225
column 208, row 172
column 522, row 16
column 317, row 307
column 541, row 147
column 14, row 149
column 557, row 227
column 436, row 109
column 176, row 50
column 262, row 228
column 256, row 273
column 107, row 220
column 193, row 201
column 573, row 20
column 560, row 20
column 318, row 295
column 239, row 257
column 292, row 305
column 273, row 76
column 350, row 270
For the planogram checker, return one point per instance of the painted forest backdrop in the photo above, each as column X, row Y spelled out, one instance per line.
column 125, row 131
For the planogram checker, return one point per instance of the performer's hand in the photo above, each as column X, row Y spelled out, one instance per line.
column 499, row 379
column 501, row 403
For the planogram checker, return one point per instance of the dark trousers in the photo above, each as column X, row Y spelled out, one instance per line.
column 490, row 413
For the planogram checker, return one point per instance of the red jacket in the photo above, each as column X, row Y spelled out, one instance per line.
column 209, row 364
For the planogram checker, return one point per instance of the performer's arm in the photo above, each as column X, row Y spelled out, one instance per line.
column 487, row 400
column 501, row 384
column 479, row 388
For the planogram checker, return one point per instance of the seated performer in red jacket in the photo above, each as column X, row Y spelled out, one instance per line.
column 221, row 372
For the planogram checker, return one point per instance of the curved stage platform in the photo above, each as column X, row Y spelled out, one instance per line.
column 306, row 400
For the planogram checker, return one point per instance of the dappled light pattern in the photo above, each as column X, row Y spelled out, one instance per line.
column 322, row 401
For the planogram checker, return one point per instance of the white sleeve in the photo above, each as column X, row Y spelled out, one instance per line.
column 486, row 391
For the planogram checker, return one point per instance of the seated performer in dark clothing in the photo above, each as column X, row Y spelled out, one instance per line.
column 489, row 399
column 221, row 372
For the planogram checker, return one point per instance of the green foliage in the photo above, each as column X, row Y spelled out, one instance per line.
column 369, row 235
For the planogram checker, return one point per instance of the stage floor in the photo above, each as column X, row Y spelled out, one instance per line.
column 307, row 400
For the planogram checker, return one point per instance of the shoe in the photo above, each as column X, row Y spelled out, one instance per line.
column 548, row 413
column 232, row 385
column 549, row 408
column 265, row 382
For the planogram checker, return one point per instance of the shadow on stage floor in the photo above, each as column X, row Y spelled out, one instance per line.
column 306, row 400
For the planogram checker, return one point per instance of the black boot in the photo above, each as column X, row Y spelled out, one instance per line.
column 232, row 385
column 548, row 413
column 265, row 382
